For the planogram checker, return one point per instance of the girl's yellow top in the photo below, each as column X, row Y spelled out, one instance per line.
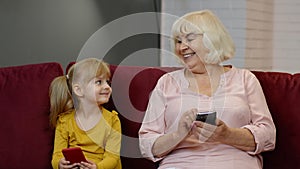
column 101, row 144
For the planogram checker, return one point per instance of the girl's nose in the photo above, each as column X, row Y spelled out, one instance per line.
column 106, row 84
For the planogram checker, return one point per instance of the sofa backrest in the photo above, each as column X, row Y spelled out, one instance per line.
column 132, row 87
column 282, row 92
column 26, row 139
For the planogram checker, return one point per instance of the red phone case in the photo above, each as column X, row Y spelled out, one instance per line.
column 74, row 155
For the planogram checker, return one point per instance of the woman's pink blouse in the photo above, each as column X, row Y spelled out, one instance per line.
column 239, row 102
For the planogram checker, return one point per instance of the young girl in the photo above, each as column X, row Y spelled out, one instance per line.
column 80, row 120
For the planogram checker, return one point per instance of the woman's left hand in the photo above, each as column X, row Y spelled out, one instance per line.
column 210, row 133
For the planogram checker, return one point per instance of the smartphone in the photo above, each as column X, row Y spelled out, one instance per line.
column 74, row 155
column 207, row 117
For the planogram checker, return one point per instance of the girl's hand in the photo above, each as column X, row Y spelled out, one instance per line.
column 211, row 133
column 87, row 165
column 63, row 164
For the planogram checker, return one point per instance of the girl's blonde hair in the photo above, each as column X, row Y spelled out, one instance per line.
column 215, row 36
column 60, row 92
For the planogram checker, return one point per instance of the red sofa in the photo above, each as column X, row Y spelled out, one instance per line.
column 27, row 141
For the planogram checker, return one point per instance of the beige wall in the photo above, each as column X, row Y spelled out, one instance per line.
column 259, row 35
column 286, row 51
column 266, row 32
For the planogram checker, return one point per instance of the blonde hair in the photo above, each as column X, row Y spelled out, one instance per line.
column 215, row 36
column 60, row 92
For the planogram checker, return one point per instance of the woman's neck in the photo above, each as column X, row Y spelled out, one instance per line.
column 205, row 71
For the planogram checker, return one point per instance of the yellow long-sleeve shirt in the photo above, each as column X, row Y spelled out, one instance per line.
column 101, row 144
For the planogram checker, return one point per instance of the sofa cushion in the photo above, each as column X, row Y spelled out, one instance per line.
column 132, row 86
column 26, row 139
column 282, row 92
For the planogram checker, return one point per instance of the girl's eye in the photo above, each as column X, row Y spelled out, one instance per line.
column 108, row 82
column 98, row 82
column 101, row 82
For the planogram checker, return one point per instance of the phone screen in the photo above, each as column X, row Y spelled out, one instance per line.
column 207, row 117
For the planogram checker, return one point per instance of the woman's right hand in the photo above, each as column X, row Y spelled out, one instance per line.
column 167, row 142
column 64, row 164
column 185, row 123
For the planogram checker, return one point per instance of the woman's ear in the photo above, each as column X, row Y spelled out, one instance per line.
column 77, row 90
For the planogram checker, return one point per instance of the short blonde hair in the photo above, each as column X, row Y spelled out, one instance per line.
column 215, row 36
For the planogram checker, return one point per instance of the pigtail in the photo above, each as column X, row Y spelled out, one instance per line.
column 60, row 98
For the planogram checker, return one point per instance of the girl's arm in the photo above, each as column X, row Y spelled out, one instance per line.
column 111, row 157
column 60, row 142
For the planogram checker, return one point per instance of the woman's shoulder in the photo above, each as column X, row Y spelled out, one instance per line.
column 176, row 74
column 236, row 70
column 242, row 74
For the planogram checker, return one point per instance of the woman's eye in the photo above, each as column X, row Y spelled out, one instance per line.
column 191, row 37
column 178, row 41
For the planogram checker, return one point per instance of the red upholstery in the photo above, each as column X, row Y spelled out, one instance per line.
column 26, row 140
column 282, row 92
column 131, row 90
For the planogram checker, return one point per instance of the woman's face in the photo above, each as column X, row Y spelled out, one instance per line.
column 191, row 50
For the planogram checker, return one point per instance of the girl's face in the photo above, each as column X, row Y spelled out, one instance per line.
column 191, row 50
column 98, row 90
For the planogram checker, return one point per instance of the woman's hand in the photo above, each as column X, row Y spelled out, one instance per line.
column 240, row 138
column 167, row 142
column 64, row 164
column 87, row 165
column 211, row 133
column 185, row 123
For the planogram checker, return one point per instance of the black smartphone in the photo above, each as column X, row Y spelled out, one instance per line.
column 207, row 117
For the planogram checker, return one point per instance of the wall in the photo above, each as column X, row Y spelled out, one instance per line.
column 287, row 35
column 259, row 35
column 35, row 31
column 266, row 33
column 231, row 12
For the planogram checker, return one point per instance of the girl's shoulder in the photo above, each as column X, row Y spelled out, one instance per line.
column 66, row 116
column 110, row 114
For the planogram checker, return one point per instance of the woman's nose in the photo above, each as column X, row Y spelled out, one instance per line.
column 183, row 46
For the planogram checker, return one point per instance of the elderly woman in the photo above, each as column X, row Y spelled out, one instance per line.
column 243, row 128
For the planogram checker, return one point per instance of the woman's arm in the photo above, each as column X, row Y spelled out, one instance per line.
column 240, row 138
column 255, row 137
column 167, row 142
column 153, row 139
column 262, row 126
